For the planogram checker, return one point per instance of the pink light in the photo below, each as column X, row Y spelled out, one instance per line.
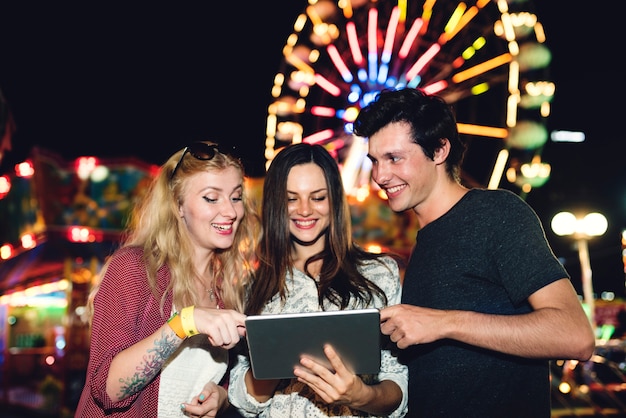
column 391, row 34
column 323, row 111
column 338, row 61
column 327, row 85
column 435, row 87
column 410, row 38
column 422, row 61
column 372, row 43
column 353, row 41
column 372, row 36
column 319, row 136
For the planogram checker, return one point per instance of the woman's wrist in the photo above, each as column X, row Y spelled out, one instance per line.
column 188, row 321
column 176, row 325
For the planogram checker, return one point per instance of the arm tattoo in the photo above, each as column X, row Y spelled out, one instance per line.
column 150, row 367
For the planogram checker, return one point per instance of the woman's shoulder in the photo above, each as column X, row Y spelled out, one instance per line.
column 377, row 259
column 126, row 255
column 381, row 264
column 126, row 261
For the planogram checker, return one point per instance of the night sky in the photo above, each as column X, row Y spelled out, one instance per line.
column 118, row 79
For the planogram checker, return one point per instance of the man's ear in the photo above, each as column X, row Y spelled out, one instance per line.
column 441, row 153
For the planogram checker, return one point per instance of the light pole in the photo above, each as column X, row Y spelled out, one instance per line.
column 582, row 229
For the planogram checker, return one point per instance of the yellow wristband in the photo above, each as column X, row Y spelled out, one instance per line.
column 177, row 326
column 189, row 324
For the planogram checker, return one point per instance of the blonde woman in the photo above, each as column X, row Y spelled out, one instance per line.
column 169, row 306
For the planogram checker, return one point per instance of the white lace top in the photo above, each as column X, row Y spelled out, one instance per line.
column 295, row 399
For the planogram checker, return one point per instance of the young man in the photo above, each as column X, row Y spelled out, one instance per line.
column 485, row 303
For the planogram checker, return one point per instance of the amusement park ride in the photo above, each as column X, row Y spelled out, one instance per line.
column 488, row 59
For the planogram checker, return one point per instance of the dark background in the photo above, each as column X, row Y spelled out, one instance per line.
column 119, row 79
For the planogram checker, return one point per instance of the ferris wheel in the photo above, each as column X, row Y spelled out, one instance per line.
column 487, row 59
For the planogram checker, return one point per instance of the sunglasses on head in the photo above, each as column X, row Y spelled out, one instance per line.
column 199, row 150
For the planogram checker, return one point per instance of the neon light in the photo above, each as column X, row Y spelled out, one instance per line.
column 455, row 18
column 488, row 131
column 511, row 109
column 346, row 6
column 297, row 26
column 567, row 136
column 415, row 81
column 435, row 88
column 372, row 43
column 481, row 68
column 410, row 38
column 390, row 36
column 427, row 14
column 353, row 41
column 498, row 169
column 319, row 136
column 479, row 89
column 422, row 61
column 314, row 16
column 353, row 161
column 323, row 111
column 465, row 19
column 297, row 62
column 402, row 7
column 339, row 64
column 383, row 71
column 327, row 85
column 509, row 32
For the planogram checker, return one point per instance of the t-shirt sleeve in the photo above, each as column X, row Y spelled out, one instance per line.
column 523, row 255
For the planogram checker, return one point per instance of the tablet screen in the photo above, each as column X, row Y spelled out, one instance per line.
column 276, row 341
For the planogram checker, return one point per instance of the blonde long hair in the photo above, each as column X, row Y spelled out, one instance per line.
column 156, row 227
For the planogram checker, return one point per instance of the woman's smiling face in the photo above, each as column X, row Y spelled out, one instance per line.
column 308, row 204
column 213, row 207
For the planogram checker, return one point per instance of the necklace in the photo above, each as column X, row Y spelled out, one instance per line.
column 214, row 295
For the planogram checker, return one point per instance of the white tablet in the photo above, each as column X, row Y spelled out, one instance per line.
column 276, row 341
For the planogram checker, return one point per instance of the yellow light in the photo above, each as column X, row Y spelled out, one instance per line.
column 565, row 387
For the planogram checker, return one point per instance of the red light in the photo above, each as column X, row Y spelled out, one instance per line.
column 85, row 166
column 5, row 186
column 83, row 234
column 25, row 169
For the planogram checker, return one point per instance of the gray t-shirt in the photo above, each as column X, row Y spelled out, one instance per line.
column 487, row 254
